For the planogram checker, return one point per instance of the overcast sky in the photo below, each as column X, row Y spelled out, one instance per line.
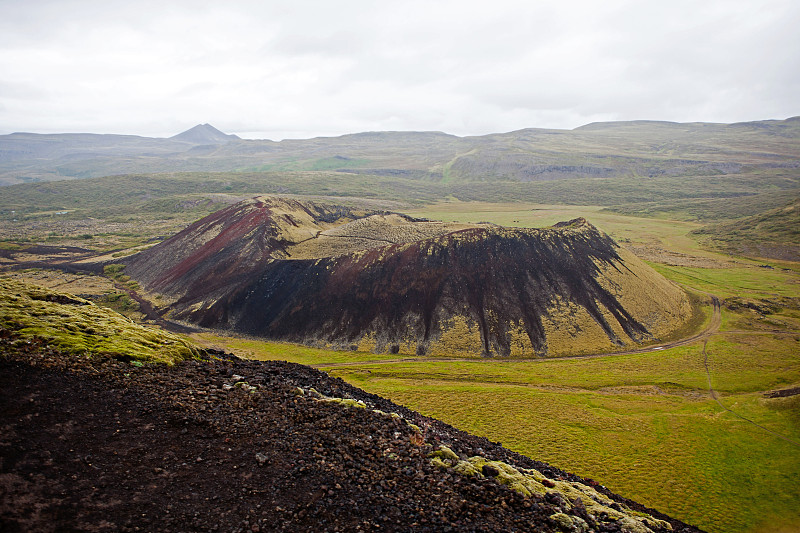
column 298, row 69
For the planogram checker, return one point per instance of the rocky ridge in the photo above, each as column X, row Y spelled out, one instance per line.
column 223, row 444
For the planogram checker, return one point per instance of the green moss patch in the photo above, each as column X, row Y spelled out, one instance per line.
column 530, row 482
column 346, row 402
column 79, row 327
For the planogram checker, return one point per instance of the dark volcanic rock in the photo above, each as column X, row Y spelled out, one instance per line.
column 104, row 445
column 322, row 274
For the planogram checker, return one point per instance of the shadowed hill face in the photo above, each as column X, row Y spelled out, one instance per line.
column 314, row 274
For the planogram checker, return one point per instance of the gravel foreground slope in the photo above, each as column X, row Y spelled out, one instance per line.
column 108, row 445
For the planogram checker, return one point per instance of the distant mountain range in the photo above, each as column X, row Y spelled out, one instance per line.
column 600, row 150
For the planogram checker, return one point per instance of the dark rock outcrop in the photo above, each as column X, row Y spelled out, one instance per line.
column 223, row 444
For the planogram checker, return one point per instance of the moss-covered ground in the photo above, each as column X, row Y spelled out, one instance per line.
column 78, row 326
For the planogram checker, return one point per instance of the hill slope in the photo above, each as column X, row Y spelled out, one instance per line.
column 204, row 134
column 103, row 442
column 772, row 234
column 319, row 274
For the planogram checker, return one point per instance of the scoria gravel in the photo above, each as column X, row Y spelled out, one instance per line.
column 109, row 445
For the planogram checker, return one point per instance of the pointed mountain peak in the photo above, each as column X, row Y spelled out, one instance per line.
column 204, row 134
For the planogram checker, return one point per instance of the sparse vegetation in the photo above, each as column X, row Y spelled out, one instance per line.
column 774, row 233
column 120, row 302
column 114, row 271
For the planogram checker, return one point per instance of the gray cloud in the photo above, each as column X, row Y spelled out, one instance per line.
column 305, row 68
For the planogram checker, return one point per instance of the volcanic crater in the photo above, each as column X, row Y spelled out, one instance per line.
column 349, row 278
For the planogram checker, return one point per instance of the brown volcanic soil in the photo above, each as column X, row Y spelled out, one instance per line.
column 103, row 445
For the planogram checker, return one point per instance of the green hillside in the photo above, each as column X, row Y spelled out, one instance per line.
column 643, row 149
column 125, row 186
column 774, row 233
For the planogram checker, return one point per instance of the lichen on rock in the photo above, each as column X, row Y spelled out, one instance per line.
column 530, row 482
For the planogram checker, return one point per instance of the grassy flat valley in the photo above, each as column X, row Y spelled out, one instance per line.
column 646, row 424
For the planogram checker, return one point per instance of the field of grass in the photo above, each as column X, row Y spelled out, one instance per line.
column 739, row 280
column 326, row 163
column 772, row 233
column 711, row 209
column 284, row 351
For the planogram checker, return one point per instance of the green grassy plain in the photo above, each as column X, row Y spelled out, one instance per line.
column 284, row 351
column 740, row 280
column 645, row 425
